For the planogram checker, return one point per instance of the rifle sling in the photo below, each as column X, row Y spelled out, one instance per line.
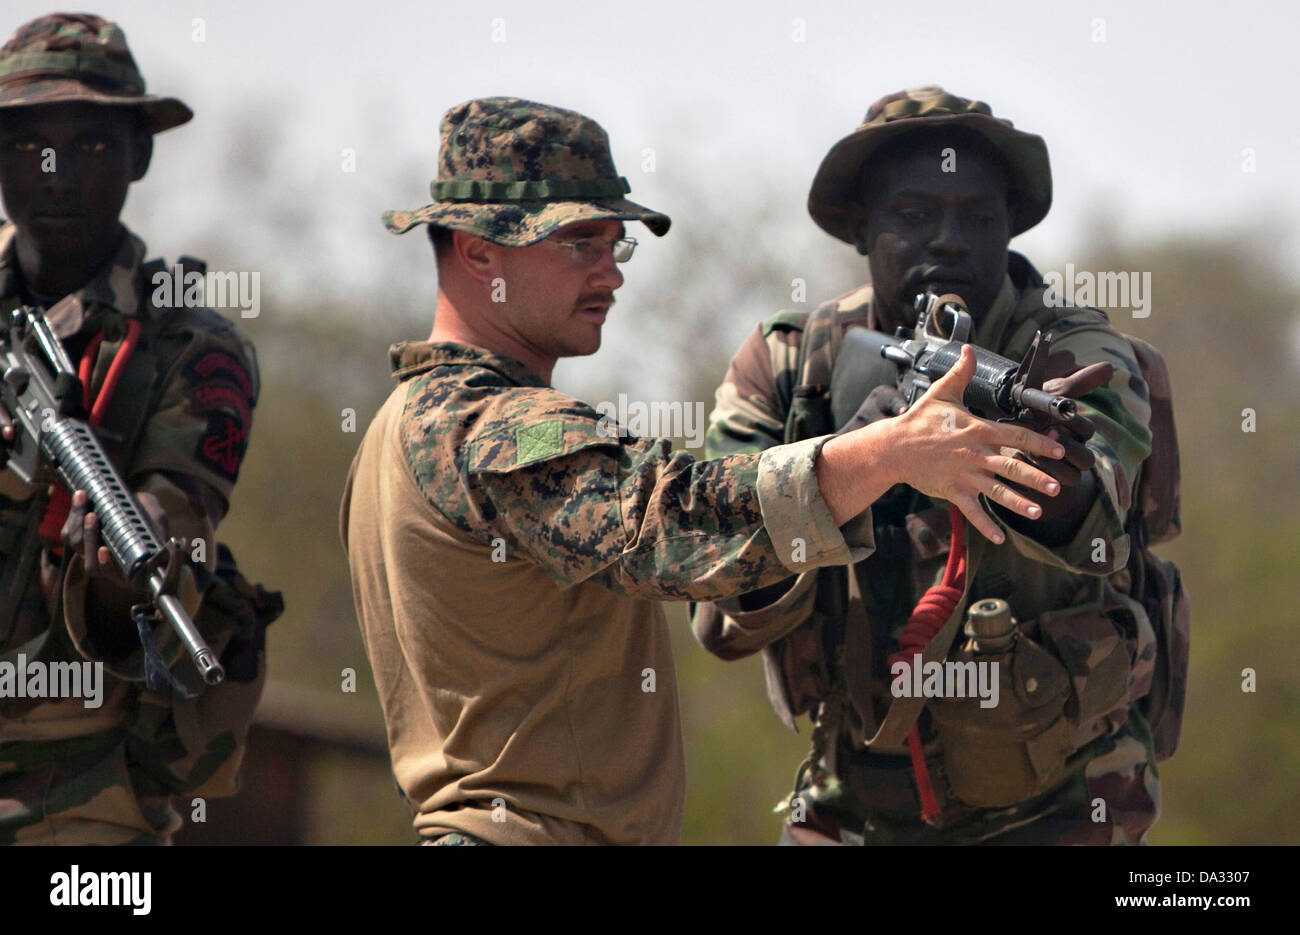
column 903, row 712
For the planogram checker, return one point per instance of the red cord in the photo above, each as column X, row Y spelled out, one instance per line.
column 87, row 365
column 114, row 371
column 931, row 613
column 56, row 514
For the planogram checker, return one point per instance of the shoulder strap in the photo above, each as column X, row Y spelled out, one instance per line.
column 153, row 358
column 819, row 347
column 1158, row 490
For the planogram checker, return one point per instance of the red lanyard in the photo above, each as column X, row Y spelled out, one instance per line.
column 931, row 613
column 56, row 514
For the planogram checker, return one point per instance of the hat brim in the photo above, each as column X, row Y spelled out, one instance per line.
column 834, row 201
column 161, row 113
column 522, row 223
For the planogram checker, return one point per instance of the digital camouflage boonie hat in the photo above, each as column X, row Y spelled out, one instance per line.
column 79, row 57
column 512, row 171
column 835, row 202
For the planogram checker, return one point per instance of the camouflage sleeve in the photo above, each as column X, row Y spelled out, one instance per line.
column 750, row 415
column 631, row 515
column 189, row 456
column 200, row 427
column 1121, row 411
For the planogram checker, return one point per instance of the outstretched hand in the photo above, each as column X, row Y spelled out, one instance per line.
column 942, row 450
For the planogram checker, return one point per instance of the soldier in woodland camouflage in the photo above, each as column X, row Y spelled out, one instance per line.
column 76, row 128
column 931, row 188
column 509, row 547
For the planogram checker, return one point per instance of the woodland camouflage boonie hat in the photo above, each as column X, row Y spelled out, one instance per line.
column 512, row 171
column 835, row 199
column 79, row 57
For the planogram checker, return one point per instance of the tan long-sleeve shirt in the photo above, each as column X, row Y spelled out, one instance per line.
column 509, row 548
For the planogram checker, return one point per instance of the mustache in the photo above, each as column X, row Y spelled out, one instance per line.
column 595, row 298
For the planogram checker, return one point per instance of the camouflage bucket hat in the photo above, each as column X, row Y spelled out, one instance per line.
column 512, row 171
column 79, row 57
column 834, row 201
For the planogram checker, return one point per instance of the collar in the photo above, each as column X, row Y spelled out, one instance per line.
column 111, row 294
column 410, row 358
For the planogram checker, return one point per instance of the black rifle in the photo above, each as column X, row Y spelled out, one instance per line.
column 43, row 394
column 1001, row 389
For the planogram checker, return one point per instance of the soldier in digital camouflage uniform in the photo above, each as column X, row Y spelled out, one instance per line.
column 931, row 187
column 509, row 545
column 76, row 129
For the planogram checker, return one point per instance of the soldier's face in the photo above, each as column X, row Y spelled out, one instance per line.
column 928, row 229
column 554, row 305
column 65, row 169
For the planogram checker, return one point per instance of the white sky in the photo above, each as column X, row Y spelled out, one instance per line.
column 1151, row 123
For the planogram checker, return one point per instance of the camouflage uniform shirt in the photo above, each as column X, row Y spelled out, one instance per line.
column 1115, row 761
column 70, row 773
column 509, row 551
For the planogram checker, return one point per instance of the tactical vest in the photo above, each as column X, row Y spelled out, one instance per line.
column 231, row 603
column 828, row 665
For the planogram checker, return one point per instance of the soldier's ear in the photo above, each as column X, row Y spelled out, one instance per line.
column 478, row 257
column 141, row 150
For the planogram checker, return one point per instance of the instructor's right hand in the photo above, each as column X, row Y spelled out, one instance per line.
column 943, row 451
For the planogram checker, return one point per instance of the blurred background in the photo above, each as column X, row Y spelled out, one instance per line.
column 1170, row 156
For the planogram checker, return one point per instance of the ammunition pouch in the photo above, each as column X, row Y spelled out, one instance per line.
column 1067, row 679
column 1152, row 591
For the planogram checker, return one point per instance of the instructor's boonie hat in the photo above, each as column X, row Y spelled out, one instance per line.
column 513, row 171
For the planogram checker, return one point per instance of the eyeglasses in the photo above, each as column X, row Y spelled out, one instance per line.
column 589, row 251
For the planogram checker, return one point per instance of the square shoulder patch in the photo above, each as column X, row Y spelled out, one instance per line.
column 538, row 441
column 510, row 447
